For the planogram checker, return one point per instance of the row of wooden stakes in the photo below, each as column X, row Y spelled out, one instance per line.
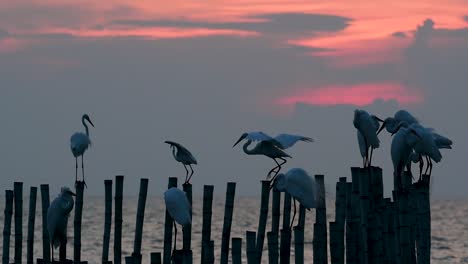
column 368, row 228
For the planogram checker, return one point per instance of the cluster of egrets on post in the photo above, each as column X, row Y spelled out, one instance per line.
column 412, row 142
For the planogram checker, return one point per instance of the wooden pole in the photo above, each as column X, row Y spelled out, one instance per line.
column 168, row 228
column 187, row 230
column 364, row 186
column 236, row 250
column 275, row 211
column 351, row 224
column 424, row 220
column 45, row 234
column 31, row 221
column 263, row 219
column 155, row 258
column 118, row 219
column 396, row 228
column 18, row 193
column 107, row 220
column 272, row 238
column 319, row 242
column 340, row 216
column 77, row 221
column 251, row 248
column 210, row 253
column 412, row 208
column 299, row 244
column 334, row 237
column 129, row 260
column 389, row 239
column 206, row 224
column 7, row 226
column 285, row 241
column 140, row 217
column 403, row 217
column 228, row 211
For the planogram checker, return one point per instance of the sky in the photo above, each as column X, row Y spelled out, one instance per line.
column 203, row 72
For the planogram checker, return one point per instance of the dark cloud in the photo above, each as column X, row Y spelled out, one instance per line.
column 274, row 23
column 399, row 34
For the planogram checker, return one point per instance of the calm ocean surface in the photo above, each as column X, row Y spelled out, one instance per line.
column 449, row 228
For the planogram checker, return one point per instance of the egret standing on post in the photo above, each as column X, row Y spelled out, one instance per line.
column 271, row 147
column 79, row 143
column 300, row 186
column 178, row 206
column 367, row 126
column 182, row 155
column 57, row 218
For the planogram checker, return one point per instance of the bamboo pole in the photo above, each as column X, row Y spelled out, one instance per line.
column 63, row 251
column 155, row 258
column 364, row 186
column 424, row 221
column 285, row 241
column 206, row 224
column 187, row 229
column 45, row 234
column 275, row 211
column 340, row 216
column 31, row 221
column 319, row 241
column 412, row 207
column 7, row 226
column 228, row 211
column 334, row 237
column 18, row 193
column 272, row 238
column 299, row 244
column 140, row 217
column 107, row 220
column 168, row 228
column 403, row 217
column 390, row 241
column 353, row 218
column 236, row 250
column 118, row 219
column 77, row 221
column 210, row 253
column 263, row 219
column 129, row 260
column 396, row 227
column 251, row 248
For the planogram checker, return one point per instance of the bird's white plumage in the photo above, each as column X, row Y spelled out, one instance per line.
column 178, row 206
column 442, row 142
column 79, row 143
column 402, row 147
column 57, row 216
column 366, row 124
column 258, row 136
column 299, row 185
column 426, row 144
column 288, row 140
column 361, row 143
column 401, row 116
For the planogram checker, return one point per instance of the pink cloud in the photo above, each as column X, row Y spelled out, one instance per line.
column 359, row 95
column 11, row 45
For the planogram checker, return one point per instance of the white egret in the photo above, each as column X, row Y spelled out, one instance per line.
column 300, row 186
column 271, row 147
column 392, row 123
column 367, row 126
column 183, row 155
column 79, row 143
column 178, row 206
column 57, row 217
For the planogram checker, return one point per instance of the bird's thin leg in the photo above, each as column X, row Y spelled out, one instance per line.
column 370, row 157
column 186, row 173
column 76, row 169
column 272, row 170
column 82, row 169
column 279, row 168
column 421, row 166
column 190, row 174
column 427, row 164
column 294, row 214
column 430, row 166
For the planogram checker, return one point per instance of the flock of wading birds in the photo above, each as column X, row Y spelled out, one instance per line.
column 411, row 142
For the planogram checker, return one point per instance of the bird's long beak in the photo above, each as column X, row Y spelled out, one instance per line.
column 90, row 122
column 239, row 140
column 382, row 127
column 72, row 193
column 380, row 120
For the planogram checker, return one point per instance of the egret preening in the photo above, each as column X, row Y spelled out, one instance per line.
column 178, row 206
column 271, row 147
column 57, row 217
column 392, row 123
column 367, row 126
column 182, row 155
column 79, row 143
column 300, row 186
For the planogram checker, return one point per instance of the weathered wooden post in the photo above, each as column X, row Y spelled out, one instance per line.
column 424, row 220
column 285, row 241
column 275, row 211
column 299, row 244
column 251, row 247
column 236, row 250
column 206, row 224
column 168, row 228
column 228, row 211
column 107, row 220
column 18, row 193
column 155, row 258
column 403, row 217
column 340, row 216
column 412, row 208
column 31, row 221
column 45, row 234
column 210, row 253
column 7, row 226
column 187, row 230
column 364, row 180
column 272, row 238
column 396, row 227
column 334, row 237
column 77, row 221
column 129, row 260
column 263, row 219
column 140, row 217
column 351, row 223
column 389, row 232
column 118, row 219
column 319, row 242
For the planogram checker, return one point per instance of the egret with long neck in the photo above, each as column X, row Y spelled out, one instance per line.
column 79, row 143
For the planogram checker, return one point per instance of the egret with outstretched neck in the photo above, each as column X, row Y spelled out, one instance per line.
column 79, row 143
column 183, row 155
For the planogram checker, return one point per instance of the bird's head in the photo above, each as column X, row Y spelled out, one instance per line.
column 241, row 138
column 67, row 191
column 171, row 144
column 86, row 117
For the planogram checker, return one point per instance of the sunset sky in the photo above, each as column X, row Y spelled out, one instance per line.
column 203, row 72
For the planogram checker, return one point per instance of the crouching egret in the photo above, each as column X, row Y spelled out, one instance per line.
column 178, row 206
column 367, row 126
column 183, row 155
column 271, row 147
column 57, row 218
column 79, row 143
column 300, row 186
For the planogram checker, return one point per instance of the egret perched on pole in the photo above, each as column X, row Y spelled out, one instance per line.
column 300, row 186
column 178, row 206
column 79, row 143
column 57, row 217
column 271, row 147
column 183, row 155
column 367, row 126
